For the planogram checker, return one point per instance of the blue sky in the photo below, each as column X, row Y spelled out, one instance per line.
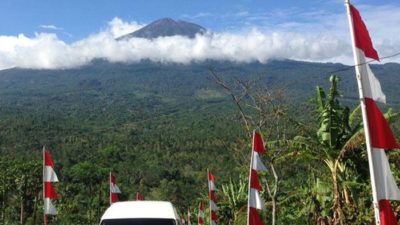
column 69, row 33
column 79, row 18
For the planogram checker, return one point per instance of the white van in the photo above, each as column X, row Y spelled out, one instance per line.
column 140, row 213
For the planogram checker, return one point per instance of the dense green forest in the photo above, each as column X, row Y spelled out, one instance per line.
column 158, row 127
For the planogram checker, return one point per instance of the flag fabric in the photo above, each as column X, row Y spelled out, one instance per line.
column 255, row 200
column 200, row 214
column 114, row 189
column 49, row 177
column 381, row 135
column 361, row 35
column 139, row 197
column 213, row 206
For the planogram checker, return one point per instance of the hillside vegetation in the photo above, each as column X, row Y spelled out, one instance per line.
column 158, row 127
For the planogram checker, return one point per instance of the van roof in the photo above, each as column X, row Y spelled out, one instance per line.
column 140, row 209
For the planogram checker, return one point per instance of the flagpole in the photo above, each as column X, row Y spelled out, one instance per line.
column 44, row 201
column 189, row 217
column 364, row 115
column 249, row 188
column 109, row 188
column 209, row 191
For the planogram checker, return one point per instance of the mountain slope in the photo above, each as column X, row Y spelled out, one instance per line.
column 157, row 126
column 182, row 82
column 166, row 27
column 105, row 95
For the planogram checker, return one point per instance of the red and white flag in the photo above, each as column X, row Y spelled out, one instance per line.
column 255, row 200
column 213, row 205
column 379, row 136
column 139, row 197
column 200, row 214
column 49, row 193
column 114, row 189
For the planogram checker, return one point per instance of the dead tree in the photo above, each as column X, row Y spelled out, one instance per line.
column 259, row 108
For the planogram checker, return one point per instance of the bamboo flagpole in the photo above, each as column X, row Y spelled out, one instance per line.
column 378, row 135
column 200, row 214
column 209, row 191
column 213, row 205
column 249, row 186
column 255, row 202
column 110, row 187
column 49, row 193
column 114, row 189
column 358, row 62
column 44, row 211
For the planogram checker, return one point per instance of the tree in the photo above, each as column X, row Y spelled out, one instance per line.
column 260, row 108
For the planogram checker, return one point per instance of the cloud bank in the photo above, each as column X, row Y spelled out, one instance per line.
column 326, row 40
column 46, row 50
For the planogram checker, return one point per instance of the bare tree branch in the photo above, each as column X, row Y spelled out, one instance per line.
column 222, row 83
column 259, row 107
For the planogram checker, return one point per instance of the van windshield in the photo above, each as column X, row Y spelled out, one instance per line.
column 138, row 221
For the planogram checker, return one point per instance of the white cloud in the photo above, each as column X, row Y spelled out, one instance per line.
column 325, row 40
column 196, row 16
column 41, row 51
column 47, row 51
column 117, row 27
column 51, row 27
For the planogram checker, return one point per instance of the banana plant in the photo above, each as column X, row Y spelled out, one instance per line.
column 339, row 132
column 235, row 196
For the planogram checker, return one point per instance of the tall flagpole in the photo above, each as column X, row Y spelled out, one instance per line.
column 44, row 195
column 209, row 191
column 249, row 188
column 364, row 114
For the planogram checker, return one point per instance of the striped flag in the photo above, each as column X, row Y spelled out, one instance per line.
column 200, row 214
column 379, row 136
column 139, row 197
column 255, row 200
column 213, row 206
column 114, row 189
column 49, row 193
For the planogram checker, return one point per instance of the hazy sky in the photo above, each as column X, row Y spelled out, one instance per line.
column 43, row 33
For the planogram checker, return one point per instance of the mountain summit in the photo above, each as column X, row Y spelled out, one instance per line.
column 166, row 27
